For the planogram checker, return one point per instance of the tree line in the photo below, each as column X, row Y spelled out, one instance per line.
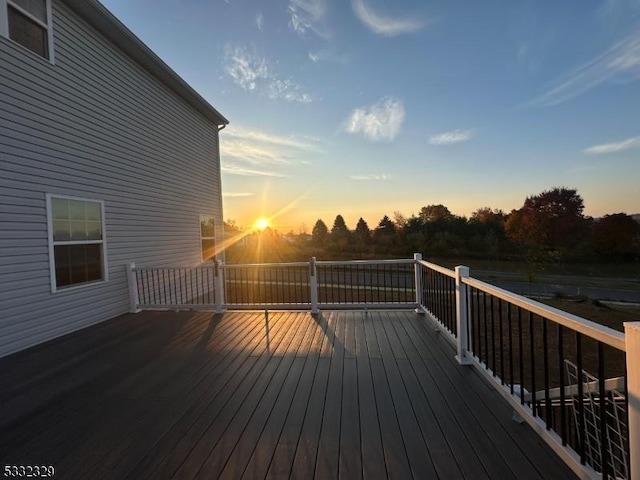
column 549, row 226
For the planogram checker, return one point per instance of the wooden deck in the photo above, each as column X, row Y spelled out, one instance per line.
column 198, row 395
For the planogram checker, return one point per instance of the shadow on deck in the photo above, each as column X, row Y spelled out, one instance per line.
column 240, row 395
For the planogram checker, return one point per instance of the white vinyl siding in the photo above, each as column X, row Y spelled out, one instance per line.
column 95, row 125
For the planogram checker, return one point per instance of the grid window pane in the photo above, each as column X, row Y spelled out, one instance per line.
column 207, row 227
column 92, row 210
column 94, row 230
column 78, row 230
column 37, row 8
column 76, row 210
column 208, row 248
column 78, row 264
column 28, row 33
column 61, row 231
column 60, row 208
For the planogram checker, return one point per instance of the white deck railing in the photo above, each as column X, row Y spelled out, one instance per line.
column 525, row 348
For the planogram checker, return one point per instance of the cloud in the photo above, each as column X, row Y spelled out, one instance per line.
column 253, row 73
column 327, row 56
column 381, row 121
column 613, row 147
column 259, row 21
column 299, row 142
column 448, row 138
column 237, row 194
column 621, row 61
column 382, row 25
column 377, row 177
column 306, row 15
column 256, row 153
column 249, row 172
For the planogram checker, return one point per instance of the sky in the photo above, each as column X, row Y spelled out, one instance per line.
column 368, row 107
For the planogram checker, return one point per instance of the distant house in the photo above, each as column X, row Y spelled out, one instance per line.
column 106, row 157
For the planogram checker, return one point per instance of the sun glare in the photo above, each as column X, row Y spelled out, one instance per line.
column 261, row 223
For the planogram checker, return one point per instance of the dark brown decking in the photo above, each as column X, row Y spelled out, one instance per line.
column 194, row 394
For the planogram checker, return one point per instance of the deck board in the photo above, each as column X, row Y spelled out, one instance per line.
column 261, row 395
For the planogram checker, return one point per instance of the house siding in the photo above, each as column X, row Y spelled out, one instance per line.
column 95, row 125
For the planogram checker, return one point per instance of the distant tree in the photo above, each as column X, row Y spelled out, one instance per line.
column 320, row 232
column 616, row 235
column 339, row 226
column 362, row 233
column 487, row 215
column 384, row 233
column 400, row 220
column 551, row 220
column 432, row 213
column 340, row 233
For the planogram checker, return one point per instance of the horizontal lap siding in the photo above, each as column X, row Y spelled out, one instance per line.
column 96, row 125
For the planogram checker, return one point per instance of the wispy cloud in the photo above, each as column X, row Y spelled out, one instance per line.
column 448, row 138
column 375, row 177
column 380, row 121
column 259, row 21
column 253, row 73
column 237, row 194
column 383, row 25
column 231, row 169
column 613, row 147
column 327, row 56
column 306, row 16
column 299, row 142
column 621, row 61
column 255, row 153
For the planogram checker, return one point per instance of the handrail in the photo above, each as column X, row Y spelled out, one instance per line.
column 591, row 329
column 437, row 268
column 407, row 261
column 265, row 265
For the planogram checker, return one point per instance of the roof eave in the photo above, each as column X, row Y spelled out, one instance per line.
column 96, row 15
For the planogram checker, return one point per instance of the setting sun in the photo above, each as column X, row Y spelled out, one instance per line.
column 261, row 223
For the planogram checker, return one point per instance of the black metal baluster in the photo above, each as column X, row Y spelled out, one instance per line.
column 563, row 419
column 510, row 334
column 545, row 348
column 534, row 406
column 521, row 355
column 580, row 401
column 493, row 337
column 604, row 451
column 486, row 328
column 501, row 342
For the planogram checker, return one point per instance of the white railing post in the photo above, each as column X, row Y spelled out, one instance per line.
column 313, row 284
column 462, row 321
column 632, row 343
column 218, row 281
column 417, row 272
column 133, row 288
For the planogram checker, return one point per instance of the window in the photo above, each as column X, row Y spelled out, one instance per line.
column 76, row 241
column 28, row 22
column 207, row 237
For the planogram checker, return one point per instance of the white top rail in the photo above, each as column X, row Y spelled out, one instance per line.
column 586, row 327
column 164, row 269
column 408, row 261
column 438, row 268
column 265, row 265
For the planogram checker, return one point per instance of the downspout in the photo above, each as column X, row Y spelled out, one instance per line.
column 222, row 255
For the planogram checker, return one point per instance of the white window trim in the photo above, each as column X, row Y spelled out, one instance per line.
column 52, row 259
column 4, row 26
column 202, row 259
